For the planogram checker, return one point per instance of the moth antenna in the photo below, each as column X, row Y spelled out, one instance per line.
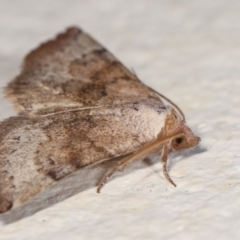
column 169, row 101
column 73, row 110
column 165, row 98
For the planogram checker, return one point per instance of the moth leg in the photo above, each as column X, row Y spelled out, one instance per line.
column 164, row 157
column 120, row 167
column 105, row 179
column 141, row 154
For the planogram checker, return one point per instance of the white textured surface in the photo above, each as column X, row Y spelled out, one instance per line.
column 187, row 50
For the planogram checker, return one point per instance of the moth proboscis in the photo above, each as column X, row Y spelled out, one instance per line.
column 78, row 105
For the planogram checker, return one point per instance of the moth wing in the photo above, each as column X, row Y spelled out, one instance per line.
column 73, row 70
column 36, row 152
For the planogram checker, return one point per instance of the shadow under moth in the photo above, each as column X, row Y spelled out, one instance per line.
column 78, row 106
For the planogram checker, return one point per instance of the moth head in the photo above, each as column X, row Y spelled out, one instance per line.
column 185, row 139
column 182, row 136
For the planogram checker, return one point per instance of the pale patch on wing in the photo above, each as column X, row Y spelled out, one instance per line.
column 20, row 178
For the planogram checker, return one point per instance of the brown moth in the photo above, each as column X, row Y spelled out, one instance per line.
column 78, row 106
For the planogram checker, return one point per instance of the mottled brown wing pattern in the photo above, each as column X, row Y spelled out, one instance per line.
column 36, row 152
column 72, row 71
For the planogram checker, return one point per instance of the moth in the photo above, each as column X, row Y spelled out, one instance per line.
column 78, row 106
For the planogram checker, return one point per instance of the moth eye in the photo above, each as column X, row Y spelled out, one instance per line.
column 179, row 143
column 179, row 140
